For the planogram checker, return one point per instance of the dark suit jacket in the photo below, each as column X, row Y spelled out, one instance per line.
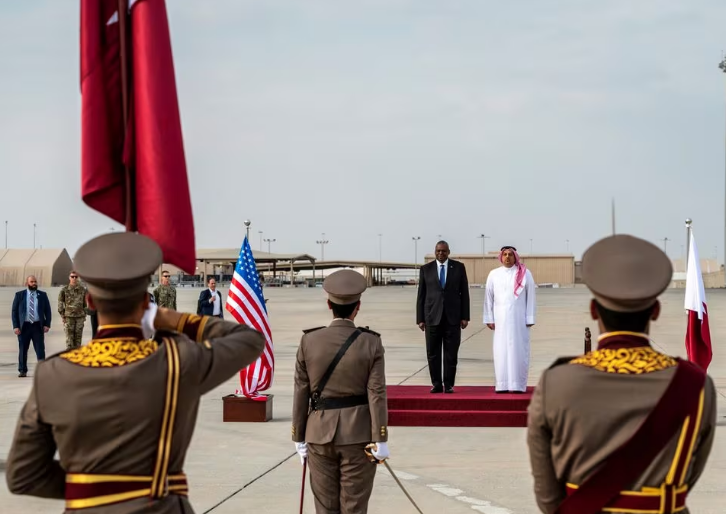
column 452, row 301
column 204, row 308
column 20, row 309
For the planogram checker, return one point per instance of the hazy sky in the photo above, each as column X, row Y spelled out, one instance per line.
column 520, row 120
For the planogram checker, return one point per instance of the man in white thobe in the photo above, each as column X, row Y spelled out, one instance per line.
column 509, row 311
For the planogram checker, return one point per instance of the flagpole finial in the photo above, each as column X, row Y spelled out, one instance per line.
column 688, row 222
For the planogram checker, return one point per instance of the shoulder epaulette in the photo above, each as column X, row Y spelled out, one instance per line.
column 368, row 330
column 307, row 331
column 560, row 361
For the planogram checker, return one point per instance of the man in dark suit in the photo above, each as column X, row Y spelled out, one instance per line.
column 442, row 310
column 210, row 301
column 31, row 318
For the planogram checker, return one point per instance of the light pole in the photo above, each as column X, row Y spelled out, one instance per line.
column 531, row 246
column 6, row 235
column 247, row 225
column 567, row 245
column 665, row 245
column 260, row 232
column 415, row 253
column 483, row 246
column 34, row 231
column 722, row 66
column 380, row 247
column 322, row 242
column 269, row 241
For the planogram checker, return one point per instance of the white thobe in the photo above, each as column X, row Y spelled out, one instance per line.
column 510, row 316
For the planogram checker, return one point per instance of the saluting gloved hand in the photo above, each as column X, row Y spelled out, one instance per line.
column 302, row 451
column 147, row 322
column 377, row 452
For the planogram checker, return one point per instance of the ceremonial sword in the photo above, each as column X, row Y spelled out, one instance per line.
column 401, row 486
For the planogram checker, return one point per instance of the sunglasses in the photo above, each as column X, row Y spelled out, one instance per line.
column 74, row 276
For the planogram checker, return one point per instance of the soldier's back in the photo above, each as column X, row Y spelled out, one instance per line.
column 585, row 408
column 354, row 375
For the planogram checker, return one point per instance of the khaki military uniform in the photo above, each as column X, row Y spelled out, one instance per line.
column 622, row 429
column 341, row 475
column 121, row 412
column 73, row 309
column 585, row 408
column 165, row 296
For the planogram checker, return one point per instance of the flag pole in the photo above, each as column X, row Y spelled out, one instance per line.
column 688, row 240
column 123, row 9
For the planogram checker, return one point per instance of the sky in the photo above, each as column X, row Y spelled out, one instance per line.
column 517, row 120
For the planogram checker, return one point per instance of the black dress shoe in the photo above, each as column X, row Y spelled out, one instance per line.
column 502, row 392
column 22, row 375
column 437, row 389
column 449, row 390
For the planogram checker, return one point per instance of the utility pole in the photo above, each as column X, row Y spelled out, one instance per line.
column 269, row 241
column 415, row 254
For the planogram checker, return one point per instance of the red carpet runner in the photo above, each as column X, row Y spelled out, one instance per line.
column 468, row 406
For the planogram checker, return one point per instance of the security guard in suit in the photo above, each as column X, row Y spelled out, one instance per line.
column 340, row 412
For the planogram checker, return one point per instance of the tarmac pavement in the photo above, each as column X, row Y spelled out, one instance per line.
column 246, row 467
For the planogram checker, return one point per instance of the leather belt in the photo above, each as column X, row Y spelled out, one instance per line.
column 666, row 499
column 84, row 491
column 342, row 402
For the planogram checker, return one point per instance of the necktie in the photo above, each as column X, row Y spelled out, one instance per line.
column 442, row 277
column 31, row 308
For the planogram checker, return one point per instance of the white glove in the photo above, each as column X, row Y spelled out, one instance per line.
column 378, row 450
column 147, row 322
column 302, row 451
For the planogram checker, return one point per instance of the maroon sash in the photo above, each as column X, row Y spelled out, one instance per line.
column 628, row 462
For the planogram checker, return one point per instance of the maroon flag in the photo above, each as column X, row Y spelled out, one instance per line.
column 132, row 152
column 698, row 334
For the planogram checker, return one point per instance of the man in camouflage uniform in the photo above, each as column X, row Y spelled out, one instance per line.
column 165, row 294
column 73, row 310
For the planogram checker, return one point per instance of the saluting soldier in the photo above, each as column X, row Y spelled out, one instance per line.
column 625, row 428
column 339, row 405
column 73, row 310
column 165, row 294
column 121, row 409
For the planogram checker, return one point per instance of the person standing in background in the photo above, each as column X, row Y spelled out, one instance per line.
column 31, row 317
column 73, row 309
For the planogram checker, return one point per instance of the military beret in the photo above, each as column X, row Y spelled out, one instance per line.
column 118, row 265
column 625, row 273
column 344, row 286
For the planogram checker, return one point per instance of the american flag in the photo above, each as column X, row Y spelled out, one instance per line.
column 246, row 303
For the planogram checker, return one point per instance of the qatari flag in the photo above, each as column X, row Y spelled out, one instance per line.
column 131, row 123
column 698, row 336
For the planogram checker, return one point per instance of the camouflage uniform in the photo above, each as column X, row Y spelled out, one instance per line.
column 73, row 309
column 165, row 296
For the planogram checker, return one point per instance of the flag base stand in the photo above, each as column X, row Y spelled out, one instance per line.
column 242, row 409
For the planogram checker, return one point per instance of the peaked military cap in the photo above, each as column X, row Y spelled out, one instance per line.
column 625, row 273
column 118, row 265
column 344, row 286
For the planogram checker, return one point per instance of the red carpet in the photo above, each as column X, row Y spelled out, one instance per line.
column 468, row 406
